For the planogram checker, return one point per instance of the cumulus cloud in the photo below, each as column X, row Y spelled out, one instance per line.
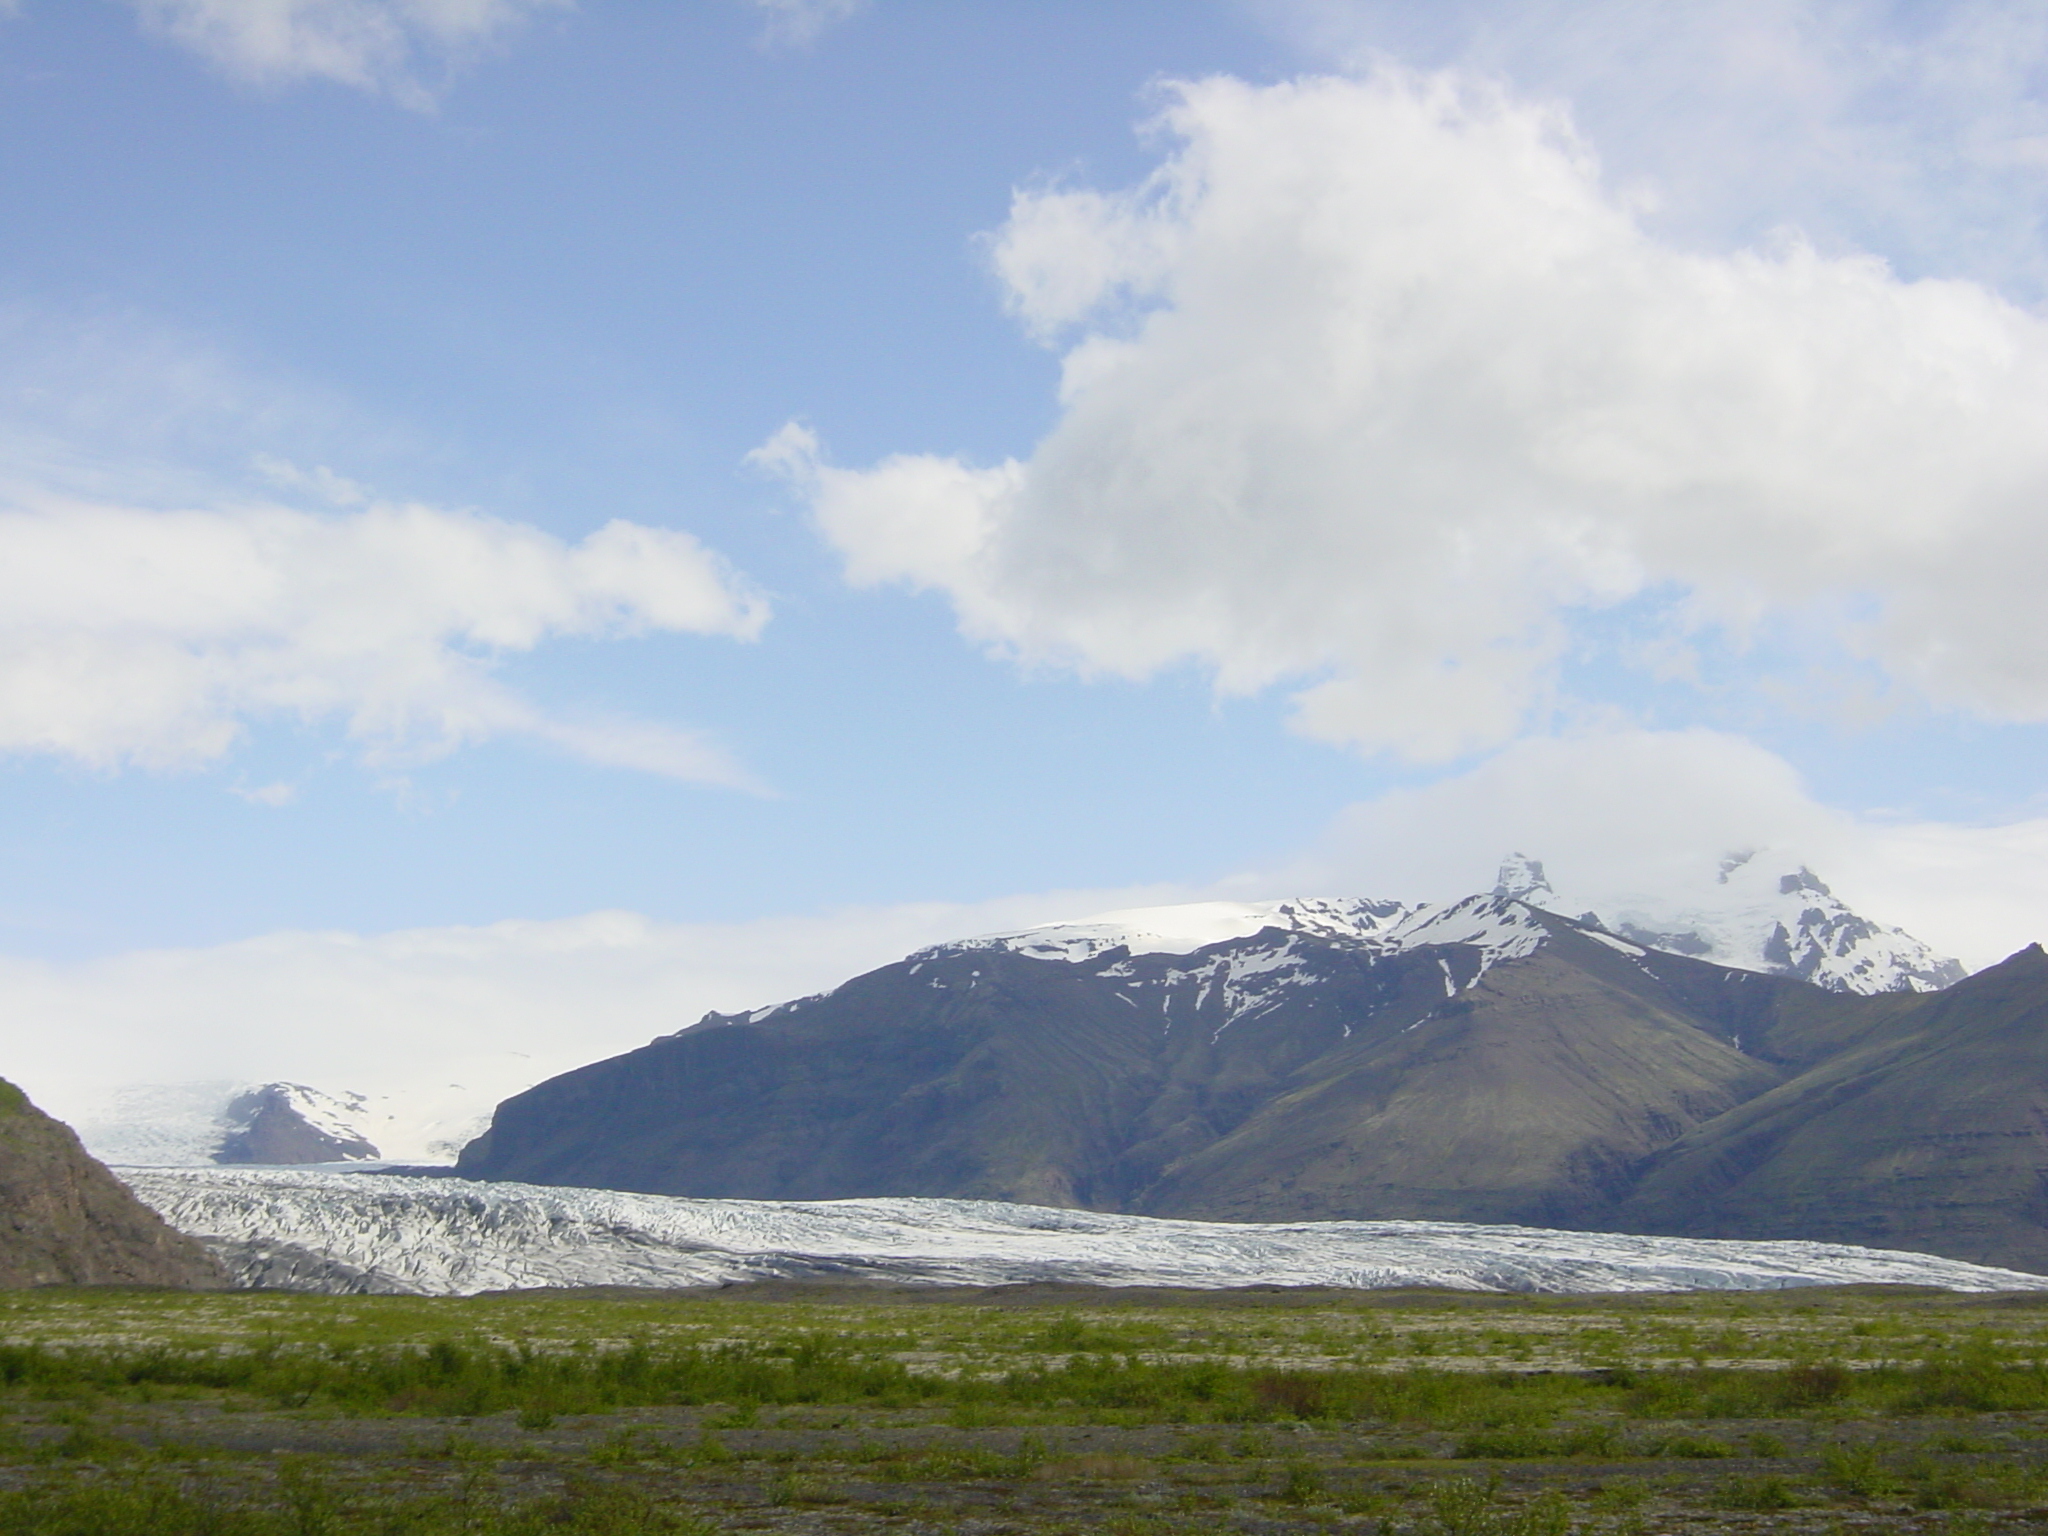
column 150, row 638
column 1917, row 130
column 1376, row 385
column 372, row 45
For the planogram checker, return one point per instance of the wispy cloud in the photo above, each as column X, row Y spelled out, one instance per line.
column 133, row 636
column 163, row 585
column 371, row 45
column 799, row 23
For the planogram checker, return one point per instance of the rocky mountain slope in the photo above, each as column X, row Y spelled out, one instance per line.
column 1917, row 1123
column 1488, row 1061
column 65, row 1220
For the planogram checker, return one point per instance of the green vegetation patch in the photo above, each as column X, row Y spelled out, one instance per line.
column 848, row 1414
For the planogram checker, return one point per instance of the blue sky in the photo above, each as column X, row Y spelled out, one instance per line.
column 486, row 464
column 610, row 260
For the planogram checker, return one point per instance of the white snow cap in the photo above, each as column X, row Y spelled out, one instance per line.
column 1183, row 929
column 187, row 1125
column 1757, row 914
column 1764, row 910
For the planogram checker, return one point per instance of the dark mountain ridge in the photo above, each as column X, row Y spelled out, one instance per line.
column 1491, row 1062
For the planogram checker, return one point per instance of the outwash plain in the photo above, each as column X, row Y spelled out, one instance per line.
column 801, row 1409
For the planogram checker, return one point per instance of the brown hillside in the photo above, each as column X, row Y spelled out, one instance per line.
column 1928, row 1131
column 1529, row 1098
column 65, row 1220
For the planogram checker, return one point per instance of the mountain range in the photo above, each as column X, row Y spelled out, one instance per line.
column 1487, row 1061
column 1759, row 912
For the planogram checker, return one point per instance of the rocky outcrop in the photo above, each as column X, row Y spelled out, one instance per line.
column 66, row 1220
column 278, row 1124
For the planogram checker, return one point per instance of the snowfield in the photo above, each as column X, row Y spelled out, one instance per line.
column 352, row 1232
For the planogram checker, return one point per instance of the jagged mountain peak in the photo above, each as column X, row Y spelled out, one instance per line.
column 1522, row 879
column 1755, row 915
column 1499, row 926
column 285, row 1123
column 1772, row 914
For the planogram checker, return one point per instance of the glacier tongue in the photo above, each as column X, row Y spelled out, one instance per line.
column 359, row 1232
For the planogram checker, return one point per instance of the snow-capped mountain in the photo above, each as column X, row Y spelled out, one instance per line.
column 1752, row 918
column 309, row 1230
column 184, row 1125
column 1756, row 916
column 1484, row 1061
column 1247, row 978
column 1785, row 924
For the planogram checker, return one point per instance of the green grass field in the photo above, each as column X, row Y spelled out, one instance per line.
column 1029, row 1410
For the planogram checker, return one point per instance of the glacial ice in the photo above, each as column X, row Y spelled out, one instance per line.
column 443, row 1236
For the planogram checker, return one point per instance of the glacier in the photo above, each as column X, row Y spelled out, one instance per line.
column 353, row 1232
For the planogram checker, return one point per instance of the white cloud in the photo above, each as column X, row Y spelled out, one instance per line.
column 799, row 23
column 442, row 1023
column 372, row 45
column 319, row 482
column 149, row 638
column 1618, row 815
column 114, row 405
column 1375, row 385
column 1914, row 130
column 275, row 795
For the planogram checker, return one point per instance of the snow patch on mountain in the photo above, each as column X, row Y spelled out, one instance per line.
column 1191, row 926
column 200, row 1124
column 353, row 1232
column 1499, row 928
column 1759, row 913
